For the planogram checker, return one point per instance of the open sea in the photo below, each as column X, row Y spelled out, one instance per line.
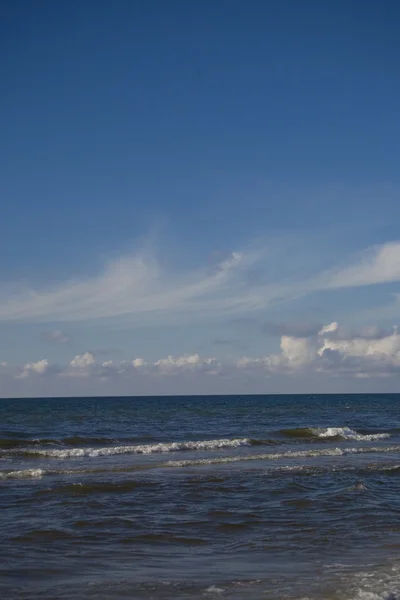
column 240, row 497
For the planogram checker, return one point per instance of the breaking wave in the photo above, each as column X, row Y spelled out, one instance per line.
column 332, row 433
column 279, row 455
column 141, row 449
column 23, row 474
column 93, row 446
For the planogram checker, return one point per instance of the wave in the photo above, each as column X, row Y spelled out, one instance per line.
column 391, row 469
column 142, row 449
column 19, row 442
column 332, row 433
column 23, row 474
column 38, row 473
column 17, row 447
column 280, row 455
column 92, row 446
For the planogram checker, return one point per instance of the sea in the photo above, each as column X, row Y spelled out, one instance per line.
column 167, row 498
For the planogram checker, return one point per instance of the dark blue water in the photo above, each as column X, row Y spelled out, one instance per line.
column 204, row 497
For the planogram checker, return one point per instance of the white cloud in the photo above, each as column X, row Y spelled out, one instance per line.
column 138, row 363
column 187, row 362
column 81, row 361
column 132, row 287
column 320, row 353
column 38, row 368
column 373, row 353
column 328, row 328
column 139, row 290
column 247, row 362
column 370, row 353
column 370, row 356
column 297, row 352
column 380, row 264
column 328, row 354
column 388, row 347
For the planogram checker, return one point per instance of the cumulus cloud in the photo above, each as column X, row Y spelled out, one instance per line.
column 187, row 362
column 81, row 361
column 367, row 352
column 139, row 289
column 36, row 368
column 247, row 362
column 137, row 363
column 388, row 346
column 372, row 354
column 325, row 351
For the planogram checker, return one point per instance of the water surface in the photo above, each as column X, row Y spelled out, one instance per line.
column 239, row 497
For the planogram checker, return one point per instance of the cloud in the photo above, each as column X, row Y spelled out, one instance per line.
column 139, row 289
column 138, row 363
column 36, row 368
column 368, row 352
column 379, row 264
column 56, row 336
column 300, row 359
column 328, row 328
column 187, row 362
column 134, row 287
column 297, row 352
column 370, row 332
column 388, row 346
column 81, row 361
column 319, row 353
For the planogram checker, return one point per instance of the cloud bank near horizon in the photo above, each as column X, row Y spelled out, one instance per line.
column 366, row 354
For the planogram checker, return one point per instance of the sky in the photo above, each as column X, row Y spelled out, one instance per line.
column 199, row 197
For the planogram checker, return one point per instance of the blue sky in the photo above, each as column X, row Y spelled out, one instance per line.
column 176, row 177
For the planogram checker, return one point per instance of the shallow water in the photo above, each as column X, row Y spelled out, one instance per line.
column 236, row 497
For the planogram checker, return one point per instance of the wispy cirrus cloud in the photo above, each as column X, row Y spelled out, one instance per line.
column 379, row 264
column 139, row 288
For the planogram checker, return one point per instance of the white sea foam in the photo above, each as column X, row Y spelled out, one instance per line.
column 382, row 583
column 348, row 434
column 144, row 449
column 214, row 590
column 24, row 474
column 279, row 455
